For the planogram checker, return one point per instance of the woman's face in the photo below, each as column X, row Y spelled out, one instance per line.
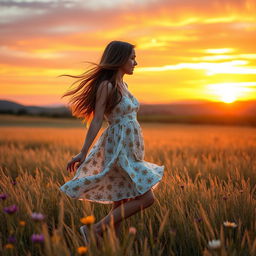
column 130, row 64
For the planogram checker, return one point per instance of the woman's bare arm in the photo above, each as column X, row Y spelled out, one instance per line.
column 100, row 105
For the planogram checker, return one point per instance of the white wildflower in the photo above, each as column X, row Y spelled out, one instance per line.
column 214, row 244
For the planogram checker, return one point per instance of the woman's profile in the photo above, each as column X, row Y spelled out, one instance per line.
column 114, row 170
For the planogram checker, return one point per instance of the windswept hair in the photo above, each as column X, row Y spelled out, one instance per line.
column 83, row 97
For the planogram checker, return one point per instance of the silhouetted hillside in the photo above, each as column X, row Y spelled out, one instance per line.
column 10, row 107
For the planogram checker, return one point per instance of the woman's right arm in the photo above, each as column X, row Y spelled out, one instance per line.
column 100, row 106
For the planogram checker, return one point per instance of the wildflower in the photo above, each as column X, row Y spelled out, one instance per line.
column 82, row 250
column 182, row 186
column 132, row 230
column 22, row 223
column 9, row 246
column 11, row 240
column 37, row 216
column 3, row 196
column 230, row 224
column 11, row 209
column 37, row 238
column 225, row 198
column 198, row 219
column 88, row 220
column 14, row 182
column 214, row 244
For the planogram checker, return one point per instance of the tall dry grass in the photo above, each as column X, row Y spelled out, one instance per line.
column 209, row 178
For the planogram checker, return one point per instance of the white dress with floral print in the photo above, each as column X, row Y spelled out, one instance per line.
column 114, row 168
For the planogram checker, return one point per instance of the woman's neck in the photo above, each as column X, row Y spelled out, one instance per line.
column 119, row 76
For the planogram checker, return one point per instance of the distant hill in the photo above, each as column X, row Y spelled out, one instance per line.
column 192, row 112
column 11, row 107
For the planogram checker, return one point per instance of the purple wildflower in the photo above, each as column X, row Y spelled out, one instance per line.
column 37, row 238
column 198, row 219
column 13, row 182
column 11, row 209
column 11, row 240
column 37, row 216
column 225, row 198
column 3, row 196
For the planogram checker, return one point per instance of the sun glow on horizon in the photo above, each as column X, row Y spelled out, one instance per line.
column 228, row 98
column 226, row 94
column 230, row 92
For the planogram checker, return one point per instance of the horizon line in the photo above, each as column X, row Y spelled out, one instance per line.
column 188, row 101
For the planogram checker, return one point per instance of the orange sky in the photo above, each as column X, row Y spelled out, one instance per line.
column 185, row 50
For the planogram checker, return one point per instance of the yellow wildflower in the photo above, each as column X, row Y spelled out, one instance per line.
column 9, row 246
column 22, row 223
column 82, row 250
column 230, row 224
column 88, row 220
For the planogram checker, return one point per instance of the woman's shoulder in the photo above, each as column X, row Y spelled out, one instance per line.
column 106, row 87
column 106, row 83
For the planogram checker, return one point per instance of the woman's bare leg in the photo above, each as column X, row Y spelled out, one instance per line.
column 118, row 225
column 124, row 210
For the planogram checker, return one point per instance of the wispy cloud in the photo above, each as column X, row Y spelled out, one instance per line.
column 231, row 67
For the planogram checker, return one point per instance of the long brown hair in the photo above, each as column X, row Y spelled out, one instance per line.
column 83, row 97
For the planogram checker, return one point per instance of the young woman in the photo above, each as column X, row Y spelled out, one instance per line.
column 114, row 170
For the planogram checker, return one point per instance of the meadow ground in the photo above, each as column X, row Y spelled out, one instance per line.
column 209, row 179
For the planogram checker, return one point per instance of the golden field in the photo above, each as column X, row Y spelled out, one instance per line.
column 209, row 179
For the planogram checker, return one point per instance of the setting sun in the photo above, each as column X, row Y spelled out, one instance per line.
column 227, row 95
column 229, row 92
column 228, row 98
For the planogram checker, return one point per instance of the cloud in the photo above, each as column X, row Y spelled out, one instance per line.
column 230, row 67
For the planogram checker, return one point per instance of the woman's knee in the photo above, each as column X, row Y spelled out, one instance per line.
column 118, row 203
column 147, row 198
column 150, row 197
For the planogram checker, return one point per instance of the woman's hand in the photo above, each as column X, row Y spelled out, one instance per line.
column 78, row 158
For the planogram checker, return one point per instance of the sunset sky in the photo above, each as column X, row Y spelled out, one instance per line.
column 186, row 50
